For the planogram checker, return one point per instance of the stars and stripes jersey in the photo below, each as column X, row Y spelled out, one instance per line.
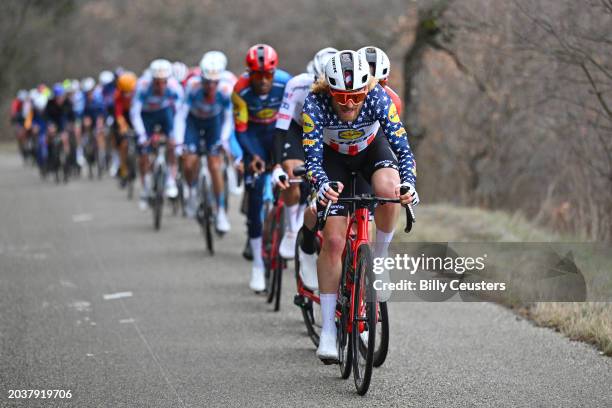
column 395, row 98
column 293, row 100
column 322, row 126
column 251, row 108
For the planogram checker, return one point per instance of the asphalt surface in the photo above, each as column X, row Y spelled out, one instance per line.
column 192, row 334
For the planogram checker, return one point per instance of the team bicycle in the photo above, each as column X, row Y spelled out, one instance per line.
column 316, row 157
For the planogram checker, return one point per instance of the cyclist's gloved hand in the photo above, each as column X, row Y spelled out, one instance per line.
column 326, row 192
column 411, row 197
column 277, row 174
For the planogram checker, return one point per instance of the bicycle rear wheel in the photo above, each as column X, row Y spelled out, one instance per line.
column 382, row 335
column 363, row 331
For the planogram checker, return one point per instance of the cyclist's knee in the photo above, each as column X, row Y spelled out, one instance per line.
column 384, row 182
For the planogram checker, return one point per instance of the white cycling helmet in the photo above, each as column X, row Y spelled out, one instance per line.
column 22, row 95
column 160, row 69
column 88, row 84
column 212, row 64
column 377, row 59
column 40, row 101
column 320, row 60
column 74, row 85
column 105, row 78
column 179, row 70
column 347, row 71
column 310, row 68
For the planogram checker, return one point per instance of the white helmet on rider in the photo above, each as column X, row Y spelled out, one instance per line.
column 105, row 78
column 88, row 84
column 74, row 85
column 347, row 71
column 161, row 69
column 320, row 60
column 39, row 101
column 212, row 64
column 310, row 68
column 22, row 95
column 378, row 60
column 179, row 70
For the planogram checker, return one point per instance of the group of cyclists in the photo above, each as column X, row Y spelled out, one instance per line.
column 338, row 117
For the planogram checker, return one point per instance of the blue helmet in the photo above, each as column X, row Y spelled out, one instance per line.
column 58, row 90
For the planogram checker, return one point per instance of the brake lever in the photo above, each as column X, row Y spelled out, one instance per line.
column 410, row 218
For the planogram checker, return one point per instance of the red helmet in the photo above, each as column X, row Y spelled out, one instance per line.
column 261, row 57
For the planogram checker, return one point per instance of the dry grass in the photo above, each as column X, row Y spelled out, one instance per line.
column 590, row 322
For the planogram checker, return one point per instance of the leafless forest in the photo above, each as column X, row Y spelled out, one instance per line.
column 509, row 101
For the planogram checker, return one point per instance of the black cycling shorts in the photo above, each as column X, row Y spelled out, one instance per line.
column 292, row 145
column 338, row 167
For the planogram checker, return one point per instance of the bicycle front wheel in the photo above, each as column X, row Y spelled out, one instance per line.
column 363, row 331
column 382, row 335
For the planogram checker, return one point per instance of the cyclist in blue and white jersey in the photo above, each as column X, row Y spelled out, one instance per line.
column 205, row 119
column 155, row 102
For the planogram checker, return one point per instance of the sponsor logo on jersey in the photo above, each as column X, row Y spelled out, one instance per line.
column 266, row 113
column 308, row 142
column 393, row 116
column 308, row 125
column 400, row 132
column 350, row 134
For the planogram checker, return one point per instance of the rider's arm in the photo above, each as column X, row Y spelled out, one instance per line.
column 180, row 118
column 135, row 111
column 226, row 120
column 312, row 140
column 241, row 118
column 396, row 134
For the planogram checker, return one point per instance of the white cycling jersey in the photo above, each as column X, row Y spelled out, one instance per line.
column 293, row 100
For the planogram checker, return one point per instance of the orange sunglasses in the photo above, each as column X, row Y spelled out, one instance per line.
column 343, row 97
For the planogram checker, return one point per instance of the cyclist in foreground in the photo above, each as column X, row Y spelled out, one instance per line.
column 256, row 98
column 154, row 104
column 342, row 118
column 205, row 116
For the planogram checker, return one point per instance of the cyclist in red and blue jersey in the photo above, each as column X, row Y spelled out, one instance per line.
column 154, row 104
column 351, row 124
column 257, row 98
column 202, row 122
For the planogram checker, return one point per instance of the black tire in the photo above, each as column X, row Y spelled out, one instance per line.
column 363, row 353
column 131, row 176
column 382, row 338
column 206, row 217
column 269, row 228
column 158, row 198
column 345, row 346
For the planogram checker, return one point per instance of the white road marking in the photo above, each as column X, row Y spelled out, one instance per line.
column 118, row 295
column 82, row 217
column 126, row 321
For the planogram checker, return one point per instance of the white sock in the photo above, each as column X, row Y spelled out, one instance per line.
column 256, row 249
column 328, row 312
column 383, row 239
column 291, row 216
column 300, row 217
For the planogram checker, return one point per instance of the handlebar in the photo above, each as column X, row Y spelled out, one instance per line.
column 370, row 199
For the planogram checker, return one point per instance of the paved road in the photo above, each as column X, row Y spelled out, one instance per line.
column 193, row 335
